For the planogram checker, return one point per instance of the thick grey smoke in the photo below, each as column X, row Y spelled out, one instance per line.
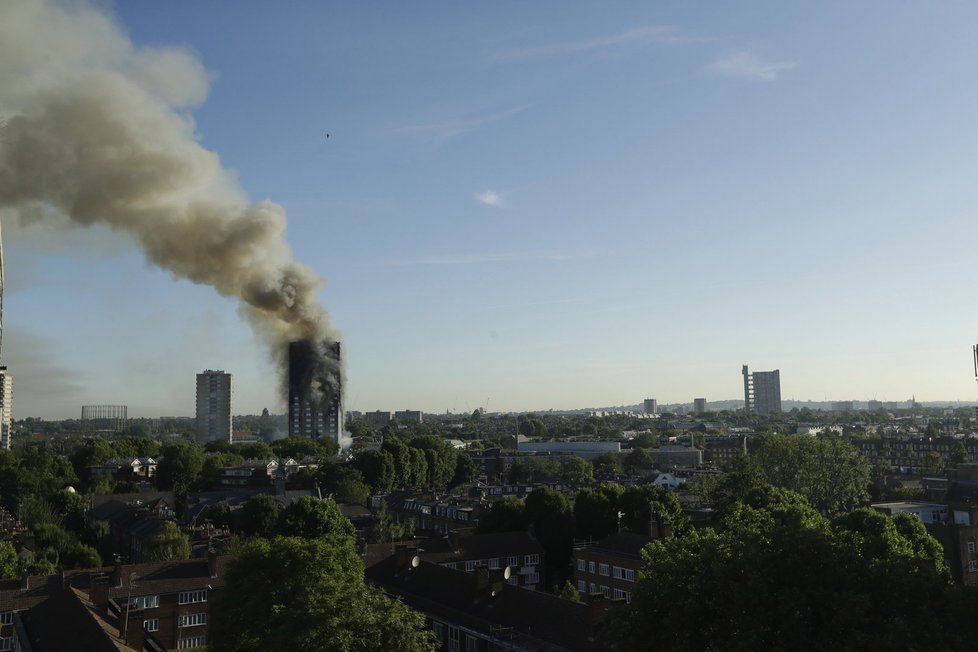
column 99, row 131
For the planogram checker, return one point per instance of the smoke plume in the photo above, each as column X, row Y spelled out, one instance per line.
column 100, row 132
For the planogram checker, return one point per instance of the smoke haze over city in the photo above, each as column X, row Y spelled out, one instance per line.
column 515, row 208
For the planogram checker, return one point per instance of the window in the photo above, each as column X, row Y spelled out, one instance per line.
column 606, row 591
column 628, row 574
column 469, row 566
column 439, row 630
column 151, row 625
column 590, row 567
column 452, row 639
column 471, row 644
column 580, row 565
column 592, row 588
column 6, row 618
column 581, row 586
column 193, row 641
column 531, row 560
column 622, row 595
column 512, row 561
column 146, row 602
column 494, row 562
column 616, row 572
column 532, row 578
column 192, row 620
column 972, row 566
column 191, row 597
column 603, row 569
column 7, row 643
column 971, row 547
column 514, row 580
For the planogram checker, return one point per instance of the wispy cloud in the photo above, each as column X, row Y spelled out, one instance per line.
column 635, row 36
column 491, row 198
column 483, row 259
column 744, row 64
column 451, row 127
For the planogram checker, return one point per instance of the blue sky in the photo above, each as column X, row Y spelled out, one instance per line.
column 552, row 205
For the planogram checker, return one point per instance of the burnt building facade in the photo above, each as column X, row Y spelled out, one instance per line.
column 315, row 390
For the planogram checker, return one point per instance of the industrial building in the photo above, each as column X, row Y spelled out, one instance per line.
column 214, row 397
column 762, row 391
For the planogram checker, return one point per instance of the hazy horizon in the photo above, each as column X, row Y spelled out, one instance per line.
column 516, row 205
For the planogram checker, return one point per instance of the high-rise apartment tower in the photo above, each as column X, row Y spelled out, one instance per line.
column 649, row 406
column 214, row 394
column 762, row 391
column 315, row 390
column 6, row 406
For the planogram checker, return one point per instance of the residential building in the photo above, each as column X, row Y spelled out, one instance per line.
column 721, row 450
column 315, row 390
column 609, row 567
column 377, row 419
column 409, row 416
column 481, row 612
column 649, row 406
column 762, row 391
column 6, row 407
column 699, row 406
column 214, row 398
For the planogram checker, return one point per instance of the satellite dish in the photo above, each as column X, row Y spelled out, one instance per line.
column 415, row 561
column 507, row 572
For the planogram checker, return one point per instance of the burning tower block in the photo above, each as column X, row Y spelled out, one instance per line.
column 315, row 390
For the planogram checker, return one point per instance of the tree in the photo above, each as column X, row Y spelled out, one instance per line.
column 466, row 470
column 638, row 459
column 830, row 472
column 577, row 471
column 959, row 454
column 506, row 515
column 607, row 463
column 259, row 516
column 306, row 595
column 640, row 505
column 169, row 544
column 596, row 511
column 932, row 464
column 549, row 513
column 378, row 469
column 9, row 566
column 386, row 528
column 568, row 592
column 180, row 467
column 781, row 576
column 311, row 518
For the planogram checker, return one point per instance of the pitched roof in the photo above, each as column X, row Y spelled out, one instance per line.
column 539, row 619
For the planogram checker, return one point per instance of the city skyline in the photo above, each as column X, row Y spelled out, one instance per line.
column 520, row 209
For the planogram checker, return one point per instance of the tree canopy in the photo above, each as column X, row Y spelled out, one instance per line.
column 780, row 576
column 307, row 595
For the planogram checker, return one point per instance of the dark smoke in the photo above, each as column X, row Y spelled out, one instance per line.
column 99, row 132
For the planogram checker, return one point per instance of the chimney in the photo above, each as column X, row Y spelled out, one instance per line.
column 402, row 557
column 117, row 574
column 481, row 579
column 98, row 591
column 212, row 562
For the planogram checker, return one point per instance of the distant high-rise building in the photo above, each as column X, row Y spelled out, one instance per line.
column 874, row 405
column 762, row 391
column 409, row 416
column 214, row 394
column 649, row 406
column 6, row 407
column 315, row 390
column 699, row 405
